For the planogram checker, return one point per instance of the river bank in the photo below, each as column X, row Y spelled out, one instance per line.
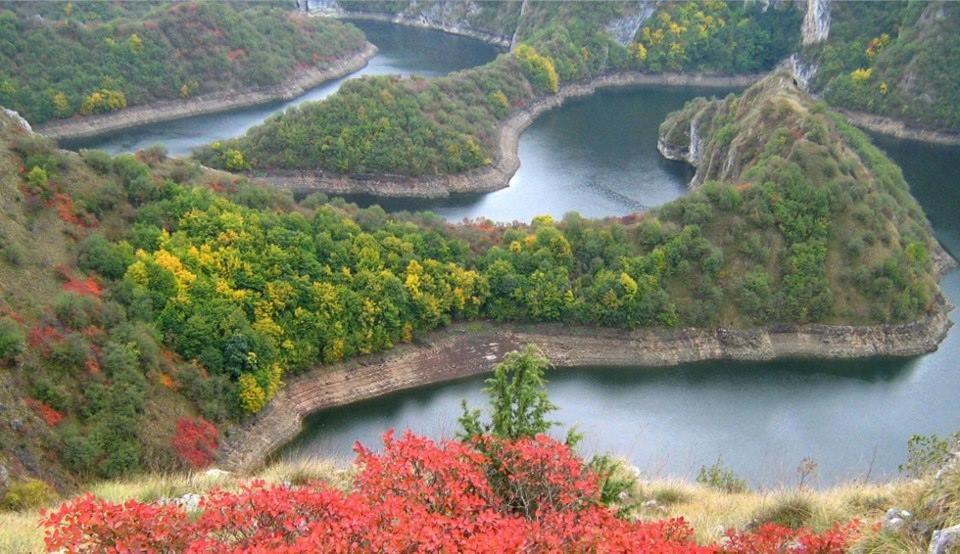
column 898, row 128
column 498, row 175
column 91, row 126
column 420, row 23
column 467, row 349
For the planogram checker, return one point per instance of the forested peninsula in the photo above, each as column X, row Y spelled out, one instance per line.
column 419, row 128
column 78, row 69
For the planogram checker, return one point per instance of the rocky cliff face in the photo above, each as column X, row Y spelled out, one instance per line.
column 493, row 23
column 623, row 29
column 816, row 22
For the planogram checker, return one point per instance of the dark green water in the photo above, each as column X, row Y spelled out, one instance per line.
column 402, row 51
column 853, row 418
column 595, row 155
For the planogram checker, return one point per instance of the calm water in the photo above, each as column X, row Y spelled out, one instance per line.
column 596, row 156
column 853, row 418
column 402, row 51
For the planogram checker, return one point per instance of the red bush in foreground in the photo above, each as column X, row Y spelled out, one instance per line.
column 491, row 495
column 195, row 442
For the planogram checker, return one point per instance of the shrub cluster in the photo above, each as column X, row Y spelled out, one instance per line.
column 489, row 494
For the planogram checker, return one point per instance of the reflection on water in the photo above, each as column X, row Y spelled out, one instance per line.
column 402, row 51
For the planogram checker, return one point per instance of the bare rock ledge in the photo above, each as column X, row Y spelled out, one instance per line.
column 467, row 349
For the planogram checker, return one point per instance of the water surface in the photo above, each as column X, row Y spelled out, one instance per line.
column 595, row 155
column 402, row 51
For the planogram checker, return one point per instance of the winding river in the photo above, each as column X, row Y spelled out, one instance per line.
column 597, row 156
column 401, row 51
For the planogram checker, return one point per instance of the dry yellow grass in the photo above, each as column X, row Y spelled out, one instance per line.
column 712, row 511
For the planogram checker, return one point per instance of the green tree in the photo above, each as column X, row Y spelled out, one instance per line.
column 518, row 398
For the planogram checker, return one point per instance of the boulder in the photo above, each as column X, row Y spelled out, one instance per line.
column 945, row 540
column 895, row 519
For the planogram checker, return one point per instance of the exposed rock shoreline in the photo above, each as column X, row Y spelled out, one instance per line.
column 467, row 349
column 898, row 128
column 496, row 176
column 91, row 126
column 421, row 23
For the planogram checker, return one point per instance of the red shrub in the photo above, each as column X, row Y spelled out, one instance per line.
column 491, row 495
column 40, row 338
column 773, row 539
column 49, row 414
column 83, row 287
column 88, row 524
column 195, row 442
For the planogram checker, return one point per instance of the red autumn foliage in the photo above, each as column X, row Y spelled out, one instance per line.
column 50, row 415
column 195, row 442
column 41, row 337
column 774, row 538
column 490, row 495
column 83, row 287
column 236, row 54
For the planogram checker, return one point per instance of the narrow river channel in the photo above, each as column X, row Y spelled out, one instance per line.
column 597, row 156
column 401, row 51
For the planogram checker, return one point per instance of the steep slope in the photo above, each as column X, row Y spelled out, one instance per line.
column 849, row 241
column 894, row 59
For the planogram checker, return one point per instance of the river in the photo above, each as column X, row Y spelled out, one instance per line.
column 597, row 156
column 401, row 51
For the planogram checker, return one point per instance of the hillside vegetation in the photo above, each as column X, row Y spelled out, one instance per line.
column 818, row 223
column 896, row 59
column 448, row 125
column 161, row 296
column 67, row 62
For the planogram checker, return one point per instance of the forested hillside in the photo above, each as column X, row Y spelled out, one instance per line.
column 161, row 295
column 427, row 127
column 59, row 60
column 896, row 59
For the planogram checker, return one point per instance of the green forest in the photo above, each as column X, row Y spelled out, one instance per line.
column 418, row 127
column 178, row 288
column 60, row 59
column 898, row 59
